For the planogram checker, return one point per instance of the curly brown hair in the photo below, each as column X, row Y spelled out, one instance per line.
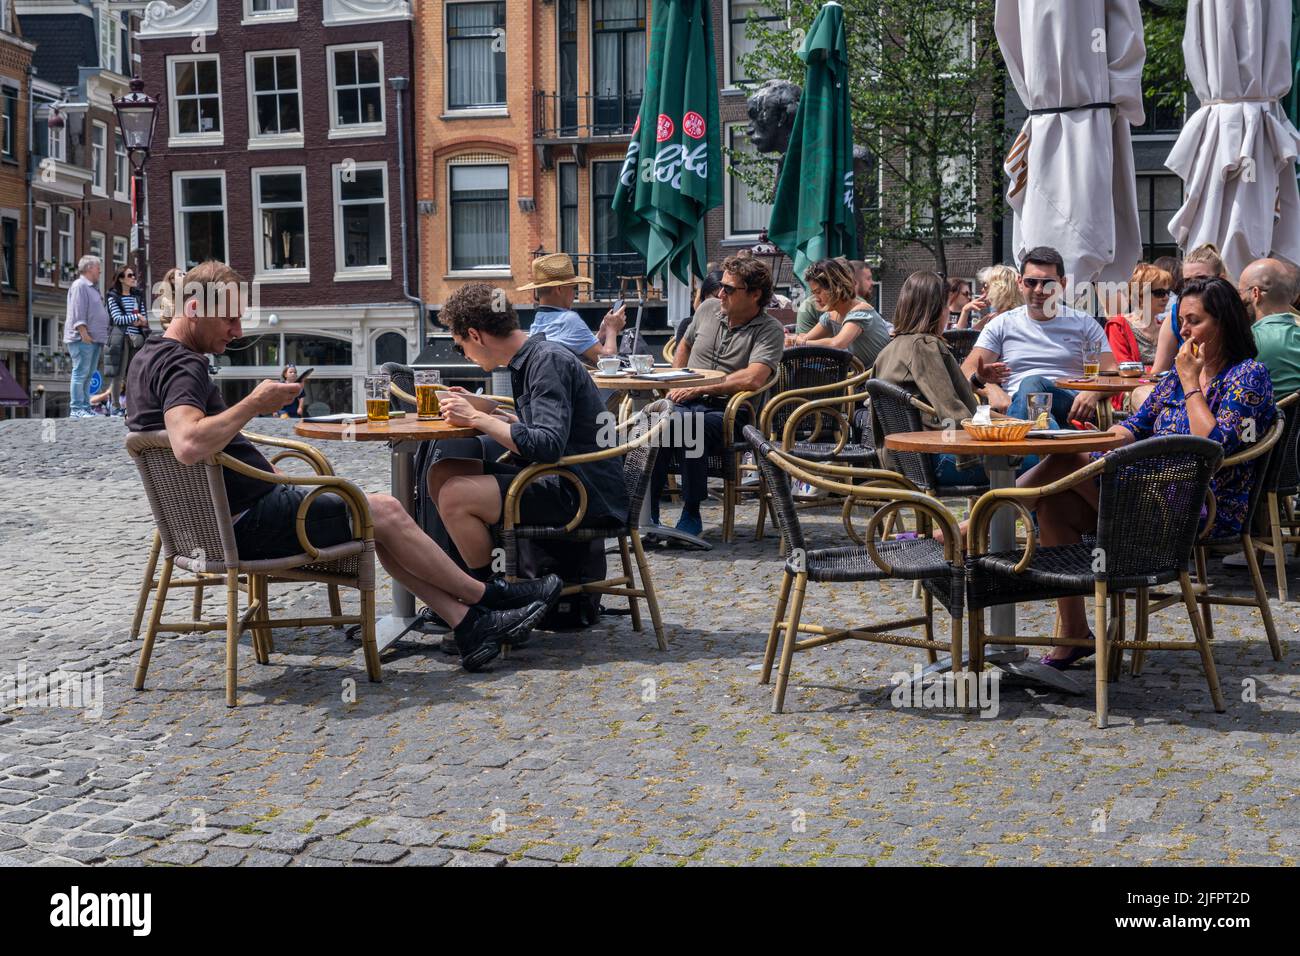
column 479, row 306
column 756, row 275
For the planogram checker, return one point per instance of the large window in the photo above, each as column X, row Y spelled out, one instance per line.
column 67, row 246
column 57, row 142
column 356, row 89
column 568, row 180
column 99, row 158
column 566, row 14
column 110, row 40
column 1160, row 195
column 613, row 256
column 10, row 103
column 195, row 86
column 120, row 254
column 739, row 12
column 361, row 221
column 476, row 55
column 745, row 216
column 121, row 169
column 275, row 100
column 41, row 239
column 9, row 254
column 200, row 202
column 618, row 63
column 270, row 9
column 280, row 212
column 480, row 217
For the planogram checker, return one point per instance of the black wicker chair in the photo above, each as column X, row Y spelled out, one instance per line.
column 894, row 409
column 1151, row 497
column 939, row 565
column 960, row 342
column 638, row 450
column 1284, row 530
column 401, row 386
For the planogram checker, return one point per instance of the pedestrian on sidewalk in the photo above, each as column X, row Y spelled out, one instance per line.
column 85, row 332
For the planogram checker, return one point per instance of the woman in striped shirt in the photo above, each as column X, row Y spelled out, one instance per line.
column 130, row 329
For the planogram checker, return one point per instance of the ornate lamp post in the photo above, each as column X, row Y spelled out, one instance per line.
column 137, row 112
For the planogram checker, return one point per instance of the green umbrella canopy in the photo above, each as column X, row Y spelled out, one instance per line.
column 672, row 173
column 812, row 212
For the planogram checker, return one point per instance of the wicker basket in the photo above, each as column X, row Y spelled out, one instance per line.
column 1003, row 429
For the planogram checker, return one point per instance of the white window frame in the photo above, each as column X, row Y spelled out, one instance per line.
column 492, row 109
column 43, row 247
column 71, row 235
column 729, row 81
column 342, row 273
column 732, row 182
column 177, row 138
column 99, row 158
column 121, row 168
column 503, row 273
column 178, row 213
column 262, row 272
column 358, row 129
column 9, row 147
column 121, row 242
column 100, row 240
column 110, row 30
column 253, row 17
column 966, row 229
column 57, row 142
column 272, row 140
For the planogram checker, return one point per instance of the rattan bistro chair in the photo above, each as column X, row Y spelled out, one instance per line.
column 1278, row 493
column 639, row 448
column 938, row 566
column 1150, row 502
column 401, row 388
column 960, row 342
column 290, row 449
column 197, row 535
column 897, row 410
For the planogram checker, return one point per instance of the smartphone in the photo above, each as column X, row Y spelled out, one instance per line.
column 617, row 305
column 303, row 376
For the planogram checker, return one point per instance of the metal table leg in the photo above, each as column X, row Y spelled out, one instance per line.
column 402, row 618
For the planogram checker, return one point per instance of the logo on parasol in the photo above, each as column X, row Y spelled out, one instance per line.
column 693, row 125
column 664, row 129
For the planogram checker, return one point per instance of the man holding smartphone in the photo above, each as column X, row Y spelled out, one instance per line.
column 556, row 287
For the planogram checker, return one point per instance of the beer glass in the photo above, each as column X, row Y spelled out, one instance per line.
column 1091, row 363
column 377, row 398
column 426, row 394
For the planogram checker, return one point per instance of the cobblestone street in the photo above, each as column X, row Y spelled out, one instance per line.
column 592, row 747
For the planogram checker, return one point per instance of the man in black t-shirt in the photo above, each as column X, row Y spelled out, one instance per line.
column 170, row 388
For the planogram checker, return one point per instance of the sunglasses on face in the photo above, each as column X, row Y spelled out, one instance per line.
column 732, row 290
column 1160, row 293
column 1034, row 284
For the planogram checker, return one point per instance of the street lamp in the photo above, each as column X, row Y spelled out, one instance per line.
column 137, row 112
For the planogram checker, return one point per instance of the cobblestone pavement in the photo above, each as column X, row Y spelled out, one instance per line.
column 590, row 748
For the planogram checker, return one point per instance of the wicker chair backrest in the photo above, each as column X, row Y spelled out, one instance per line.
column 892, row 408
column 1149, row 511
column 809, row 366
column 639, row 463
column 1268, row 470
column 403, row 376
column 777, row 483
column 1288, row 451
column 960, row 342
column 188, row 502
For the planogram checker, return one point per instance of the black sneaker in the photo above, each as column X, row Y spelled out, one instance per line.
column 502, row 595
column 479, row 637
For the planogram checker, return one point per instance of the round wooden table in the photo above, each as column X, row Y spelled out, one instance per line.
column 404, row 436
column 1002, row 530
column 1107, row 384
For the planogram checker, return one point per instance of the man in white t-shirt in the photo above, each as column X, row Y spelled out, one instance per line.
column 1027, row 349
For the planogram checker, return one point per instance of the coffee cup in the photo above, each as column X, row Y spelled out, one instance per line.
column 643, row 364
column 607, row 364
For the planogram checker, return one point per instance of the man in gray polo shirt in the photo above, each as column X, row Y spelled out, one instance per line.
column 734, row 335
column 85, row 332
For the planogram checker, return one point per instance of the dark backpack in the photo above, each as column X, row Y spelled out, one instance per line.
column 576, row 562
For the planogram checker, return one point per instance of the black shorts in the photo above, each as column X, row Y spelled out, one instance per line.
column 550, row 501
column 269, row 528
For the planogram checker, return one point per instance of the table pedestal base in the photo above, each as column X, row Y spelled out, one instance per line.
column 1032, row 672
column 649, row 529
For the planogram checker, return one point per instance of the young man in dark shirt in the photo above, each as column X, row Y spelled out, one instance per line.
column 170, row 388
column 559, row 415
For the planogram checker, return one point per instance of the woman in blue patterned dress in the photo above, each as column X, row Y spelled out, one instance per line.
column 1217, row 391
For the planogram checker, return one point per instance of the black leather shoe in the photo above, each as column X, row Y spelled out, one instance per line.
column 479, row 637
column 501, row 595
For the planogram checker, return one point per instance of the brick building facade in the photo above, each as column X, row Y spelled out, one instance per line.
column 276, row 151
column 15, row 89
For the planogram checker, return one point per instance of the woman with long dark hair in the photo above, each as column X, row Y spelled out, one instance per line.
column 130, row 328
column 1218, row 391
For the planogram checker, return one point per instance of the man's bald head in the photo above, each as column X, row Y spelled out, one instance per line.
column 1269, row 286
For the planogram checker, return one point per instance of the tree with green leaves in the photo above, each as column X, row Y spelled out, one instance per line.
column 926, row 80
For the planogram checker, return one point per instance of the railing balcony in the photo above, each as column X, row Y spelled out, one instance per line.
column 47, row 360
column 564, row 117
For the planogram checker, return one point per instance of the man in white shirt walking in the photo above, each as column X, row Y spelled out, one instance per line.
column 1027, row 349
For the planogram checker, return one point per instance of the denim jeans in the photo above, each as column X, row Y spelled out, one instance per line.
column 948, row 474
column 693, row 466
column 85, row 359
column 1062, row 399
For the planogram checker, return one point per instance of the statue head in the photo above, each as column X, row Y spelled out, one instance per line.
column 771, row 115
